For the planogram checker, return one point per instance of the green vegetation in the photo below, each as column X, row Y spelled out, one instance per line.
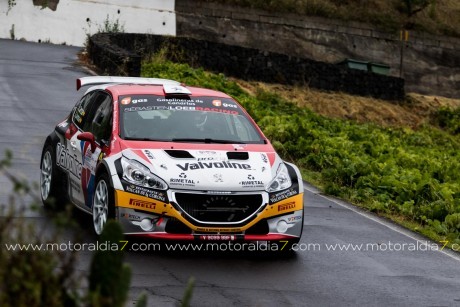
column 412, row 176
column 448, row 119
column 433, row 16
column 111, row 26
column 35, row 271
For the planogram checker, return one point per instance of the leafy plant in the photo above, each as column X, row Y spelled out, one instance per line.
column 111, row 26
column 448, row 119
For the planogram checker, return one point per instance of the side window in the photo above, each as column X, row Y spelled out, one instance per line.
column 100, row 120
column 82, row 109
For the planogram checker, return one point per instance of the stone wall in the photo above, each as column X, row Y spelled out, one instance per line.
column 431, row 65
column 120, row 54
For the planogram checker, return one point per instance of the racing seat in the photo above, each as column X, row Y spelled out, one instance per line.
column 133, row 125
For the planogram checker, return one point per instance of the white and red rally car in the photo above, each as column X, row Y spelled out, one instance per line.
column 169, row 161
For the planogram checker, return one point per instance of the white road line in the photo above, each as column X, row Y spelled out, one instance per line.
column 395, row 228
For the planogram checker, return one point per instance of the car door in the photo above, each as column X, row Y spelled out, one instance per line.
column 96, row 120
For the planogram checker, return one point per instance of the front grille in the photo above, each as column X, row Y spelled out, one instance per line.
column 219, row 208
column 261, row 228
column 175, row 226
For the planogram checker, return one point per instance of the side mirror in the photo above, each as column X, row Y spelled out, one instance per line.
column 88, row 137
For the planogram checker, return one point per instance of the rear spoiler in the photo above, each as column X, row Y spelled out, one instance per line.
column 98, row 80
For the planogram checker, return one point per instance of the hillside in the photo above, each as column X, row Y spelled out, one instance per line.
column 415, row 111
column 437, row 17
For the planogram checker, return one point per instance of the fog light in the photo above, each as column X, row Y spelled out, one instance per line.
column 146, row 224
column 282, row 226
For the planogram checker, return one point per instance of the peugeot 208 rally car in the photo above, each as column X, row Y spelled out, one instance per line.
column 170, row 161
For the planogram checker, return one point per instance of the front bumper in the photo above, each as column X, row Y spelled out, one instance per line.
column 151, row 218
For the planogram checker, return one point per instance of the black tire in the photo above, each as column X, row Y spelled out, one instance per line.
column 55, row 196
column 101, row 182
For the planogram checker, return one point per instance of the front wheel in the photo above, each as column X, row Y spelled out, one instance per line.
column 103, row 204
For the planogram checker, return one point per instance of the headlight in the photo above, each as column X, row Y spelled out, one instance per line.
column 138, row 174
column 281, row 181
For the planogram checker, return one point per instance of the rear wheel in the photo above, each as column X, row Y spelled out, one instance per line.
column 103, row 203
column 49, row 180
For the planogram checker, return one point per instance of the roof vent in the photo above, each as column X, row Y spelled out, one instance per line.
column 173, row 89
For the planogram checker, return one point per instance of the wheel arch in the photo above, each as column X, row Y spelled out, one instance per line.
column 103, row 168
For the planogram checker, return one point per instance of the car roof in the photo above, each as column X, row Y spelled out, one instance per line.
column 136, row 89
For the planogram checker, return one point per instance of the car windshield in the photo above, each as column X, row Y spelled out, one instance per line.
column 196, row 119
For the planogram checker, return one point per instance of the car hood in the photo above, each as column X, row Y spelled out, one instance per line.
column 208, row 170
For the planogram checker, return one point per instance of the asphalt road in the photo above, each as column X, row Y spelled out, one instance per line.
column 37, row 89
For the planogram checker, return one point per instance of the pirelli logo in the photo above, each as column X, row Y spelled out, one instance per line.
column 142, row 204
column 285, row 207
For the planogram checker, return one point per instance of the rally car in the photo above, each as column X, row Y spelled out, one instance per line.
column 170, row 161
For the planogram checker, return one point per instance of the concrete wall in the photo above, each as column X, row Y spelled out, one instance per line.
column 68, row 21
column 120, row 54
column 431, row 64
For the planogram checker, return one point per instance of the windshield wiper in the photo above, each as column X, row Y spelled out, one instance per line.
column 128, row 138
column 206, row 140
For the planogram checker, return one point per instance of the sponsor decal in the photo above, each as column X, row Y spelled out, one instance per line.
column 218, row 237
column 131, row 217
column 204, row 229
column 218, row 178
column 208, row 159
column 81, row 111
column 115, row 118
column 209, row 165
column 216, row 110
column 251, row 183
column 182, row 181
column 229, row 105
column 75, row 185
column 285, row 207
column 65, row 160
column 89, row 158
column 294, row 218
column 78, row 118
column 101, row 156
column 180, row 108
column 177, row 101
column 149, row 154
column 217, row 103
column 264, row 158
column 207, row 153
column 181, row 103
column 158, row 195
column 64, row 124
column 139, row 100
column 142, row 204
column 279, row 196
column 88, row 177
column 126, row 101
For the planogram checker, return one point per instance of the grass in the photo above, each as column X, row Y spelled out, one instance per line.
column 440, row 17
